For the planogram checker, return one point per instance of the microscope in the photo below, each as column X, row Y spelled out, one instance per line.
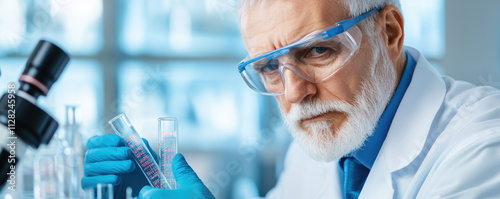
column 22, row 123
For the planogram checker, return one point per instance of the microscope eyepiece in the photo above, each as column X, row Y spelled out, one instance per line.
column 43, row 68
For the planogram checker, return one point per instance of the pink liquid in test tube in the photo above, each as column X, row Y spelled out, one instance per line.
column 142, row 156
column 167, row 136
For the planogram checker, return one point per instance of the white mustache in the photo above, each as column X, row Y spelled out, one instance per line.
column 315, row 108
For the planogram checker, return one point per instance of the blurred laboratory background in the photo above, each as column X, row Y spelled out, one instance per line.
column 177, row 58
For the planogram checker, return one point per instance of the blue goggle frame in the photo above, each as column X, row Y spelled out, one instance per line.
column 341, row 27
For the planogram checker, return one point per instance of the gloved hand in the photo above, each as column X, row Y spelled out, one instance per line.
column 109, row 161
column 188, row 184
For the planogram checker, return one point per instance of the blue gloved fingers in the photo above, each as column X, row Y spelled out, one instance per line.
column 107, row 154
column 91, row 182
column 149, row 192
column 108, row 140
column 183, row 173
column 189, row 185
column 195, row 192
column 109, row 167
column 146, row 192
column 109, row 157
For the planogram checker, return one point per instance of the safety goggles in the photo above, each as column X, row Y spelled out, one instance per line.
column 315, row 57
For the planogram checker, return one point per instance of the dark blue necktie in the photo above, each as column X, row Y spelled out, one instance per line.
column 354, row 176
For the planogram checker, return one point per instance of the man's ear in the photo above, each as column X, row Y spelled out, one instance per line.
column 391, row 21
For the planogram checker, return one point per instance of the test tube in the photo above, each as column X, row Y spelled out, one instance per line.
column 167, row 136
column 104, row 191
column 142, row 156
column 45, row 177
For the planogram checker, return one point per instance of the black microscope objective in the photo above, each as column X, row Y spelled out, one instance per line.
column 22, row 122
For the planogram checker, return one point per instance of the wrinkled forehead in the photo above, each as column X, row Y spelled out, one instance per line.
column 272, row 24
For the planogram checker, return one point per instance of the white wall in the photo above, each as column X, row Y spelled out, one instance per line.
column 472, row 35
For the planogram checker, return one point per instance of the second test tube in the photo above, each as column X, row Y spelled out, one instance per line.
column 167, row 136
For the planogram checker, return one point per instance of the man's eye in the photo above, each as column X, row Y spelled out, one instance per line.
column 316, row 51
column 269, row 67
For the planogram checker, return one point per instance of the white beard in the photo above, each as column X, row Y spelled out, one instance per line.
column 323, row 141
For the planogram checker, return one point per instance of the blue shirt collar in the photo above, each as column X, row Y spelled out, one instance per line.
column 368, row 153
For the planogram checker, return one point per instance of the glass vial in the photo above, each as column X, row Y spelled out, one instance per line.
column 167, row 136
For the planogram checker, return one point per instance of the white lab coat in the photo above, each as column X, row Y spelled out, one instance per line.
column 444, row 142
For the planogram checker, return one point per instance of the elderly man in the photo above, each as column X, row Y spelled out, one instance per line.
column 370, row 118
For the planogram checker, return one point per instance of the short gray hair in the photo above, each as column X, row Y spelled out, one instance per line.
column 355, row 7
column 358, row 7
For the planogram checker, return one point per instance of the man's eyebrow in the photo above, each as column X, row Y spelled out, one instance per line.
column 310, row 44
column 315, row 43
column 260, row 63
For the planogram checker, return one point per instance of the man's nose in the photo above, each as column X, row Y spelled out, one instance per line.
column 296, row 88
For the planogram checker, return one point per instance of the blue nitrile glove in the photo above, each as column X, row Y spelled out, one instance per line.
column 109, row 161
column 188, row 184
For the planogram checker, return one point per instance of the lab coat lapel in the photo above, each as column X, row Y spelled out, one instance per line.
column 409, row 128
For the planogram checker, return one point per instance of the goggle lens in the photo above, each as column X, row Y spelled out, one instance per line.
column 313, row 59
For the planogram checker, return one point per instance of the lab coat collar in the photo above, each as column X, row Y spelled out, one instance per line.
column 368, row 153
column 409, row 128
column 413, row 119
